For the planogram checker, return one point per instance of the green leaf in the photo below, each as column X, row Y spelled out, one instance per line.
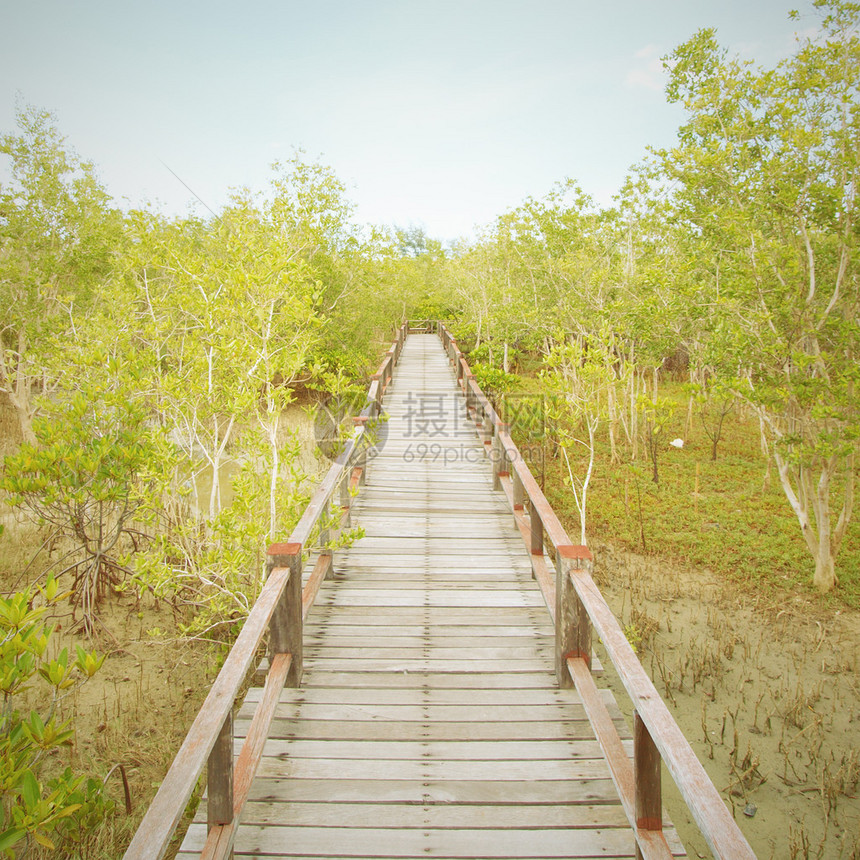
column 30, row 791
column 11, row 837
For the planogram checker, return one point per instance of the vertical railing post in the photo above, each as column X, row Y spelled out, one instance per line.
column 500, row 459
column 219, row 777
column 536, row 529
column 325, row 526
column 285, row 628
column 519, row 494
column 377, row 400
column 361, row 461
column 572, row 625
column 325, row 537
column 536, row 526
column 647, row 780
column 489, row 429
column 345, row 498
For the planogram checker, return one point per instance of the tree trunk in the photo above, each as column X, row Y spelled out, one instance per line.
column 808, row 495
column 21, row 405
column 272, row 431
column 612, row 415
column 825, row 571
column 17, row 386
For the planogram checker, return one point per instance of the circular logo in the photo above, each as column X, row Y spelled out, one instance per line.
column 334, row 424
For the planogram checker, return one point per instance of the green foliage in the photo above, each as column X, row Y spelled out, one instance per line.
column 715, row 400
column 37, row 808
column 657, row 413
column 766, row 174
column 86, row 477
column 58, row 238
column 724, row 515
column 493, row 381
column 212, row 572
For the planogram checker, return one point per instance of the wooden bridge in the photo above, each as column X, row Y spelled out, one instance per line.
column 430, row 690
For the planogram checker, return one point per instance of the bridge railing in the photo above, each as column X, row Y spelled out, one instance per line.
column 279, row 612
column 579, row 611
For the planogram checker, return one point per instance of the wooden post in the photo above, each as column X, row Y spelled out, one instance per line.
column 647, row 781
column 518, row 493
column 220, row 778
column 377, row 400
column 572, row 624
column 345, row 499
column 325, row 525
column 500, row 463
column 285, row 628
column 325, row 537
column 489, row 432
column 537, row 530
column 361, row 461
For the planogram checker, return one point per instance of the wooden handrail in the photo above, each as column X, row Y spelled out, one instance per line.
column 575, row 602
column 278, row 611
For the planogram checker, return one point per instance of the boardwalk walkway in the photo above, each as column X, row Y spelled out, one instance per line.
column 429, row 722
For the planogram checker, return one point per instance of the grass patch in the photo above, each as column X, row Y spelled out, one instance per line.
column 723, row 515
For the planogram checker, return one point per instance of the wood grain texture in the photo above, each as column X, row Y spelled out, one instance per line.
column 428, row 722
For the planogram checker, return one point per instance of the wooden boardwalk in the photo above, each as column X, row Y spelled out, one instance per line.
column 429, row 722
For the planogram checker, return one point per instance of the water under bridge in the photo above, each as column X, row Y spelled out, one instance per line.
column 430, row 690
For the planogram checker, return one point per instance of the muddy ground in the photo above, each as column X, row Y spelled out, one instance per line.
column 767, row 693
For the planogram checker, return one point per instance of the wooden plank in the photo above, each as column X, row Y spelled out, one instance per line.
column 436, row 598
column 443, row 615
column 501, row 771
column 561, row 750
column 371, row 578
column 367, row 842
column 437, row 816
column 451, row 648
column 511, row 792
column 422, row 713
column 547, row 697
column 475, row 680
column 526, row 651
column 318, row 633
column 426, row 731
column 425, row 665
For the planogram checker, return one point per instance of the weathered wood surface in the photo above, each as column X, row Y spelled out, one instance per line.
column 428, row 722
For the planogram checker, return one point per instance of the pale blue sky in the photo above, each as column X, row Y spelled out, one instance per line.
column 440, row 114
